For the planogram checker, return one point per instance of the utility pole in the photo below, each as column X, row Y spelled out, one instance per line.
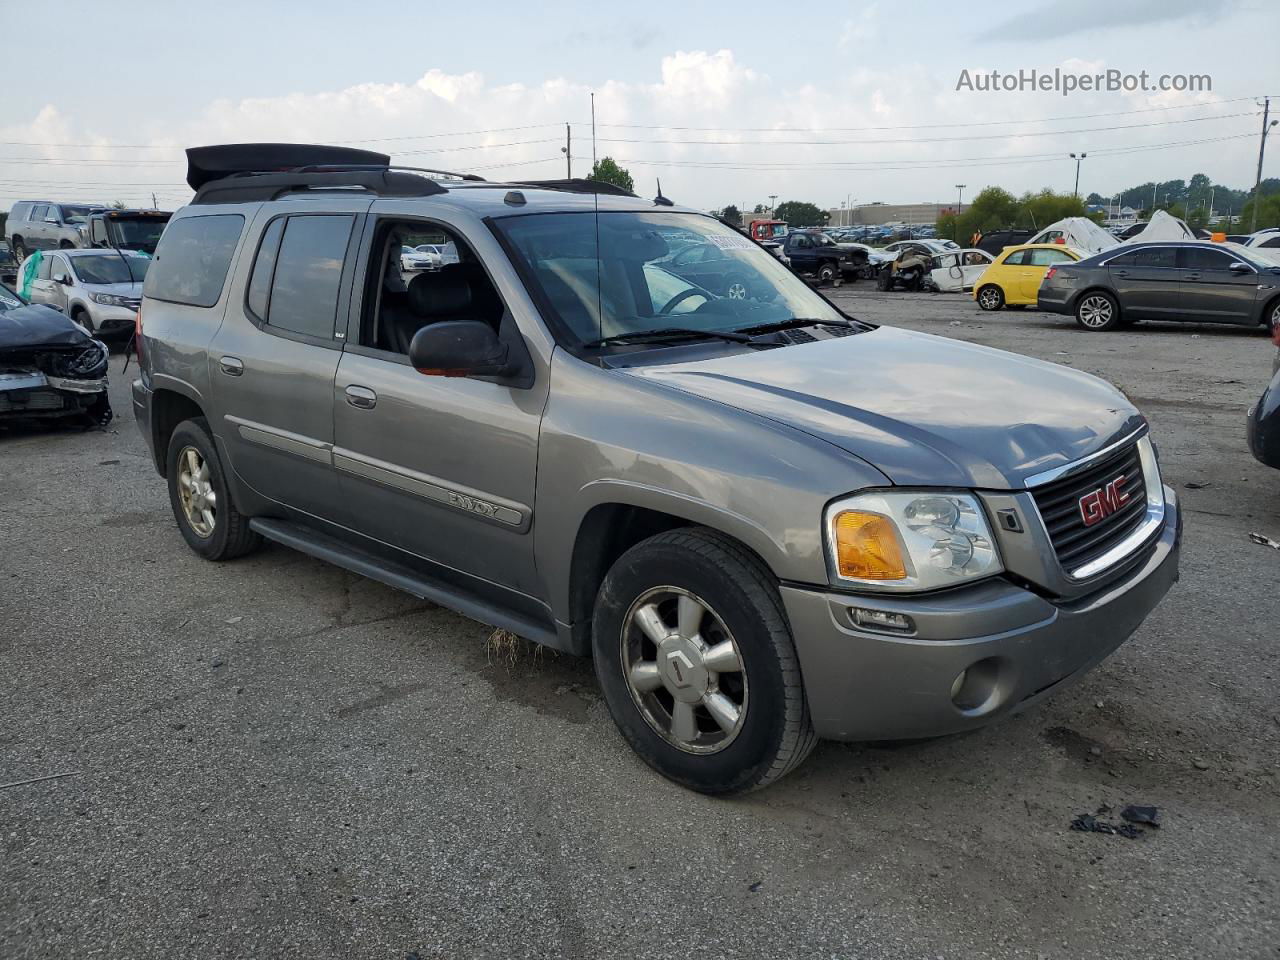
column 593, row 132
column 567, row 151
column 1262, row 149
column 154, row 205
column 1077, row 160
column 772, row 202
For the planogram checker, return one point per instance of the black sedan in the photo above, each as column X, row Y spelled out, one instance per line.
column 1193, row 280
column 1264, row 417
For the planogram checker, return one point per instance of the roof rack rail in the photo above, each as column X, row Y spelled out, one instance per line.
column 578, row 185
column 244, row 172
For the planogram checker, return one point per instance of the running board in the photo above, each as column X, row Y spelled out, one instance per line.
column 400, row 577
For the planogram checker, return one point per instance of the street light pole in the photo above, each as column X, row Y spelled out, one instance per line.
column 772, row 202
column 1262, row 149
column 1077, row 159
column 955, row 230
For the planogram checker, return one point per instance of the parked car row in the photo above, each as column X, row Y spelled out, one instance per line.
column 44, row 225
column 98, row 289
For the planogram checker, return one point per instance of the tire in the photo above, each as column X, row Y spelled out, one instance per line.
column 82, row 317
column 990, row 297
column 827, row 272
column 18, row 248
column 223, row 533
column 1097, row 310
column 66, row 245
column 1271, row 317
column 764, row 730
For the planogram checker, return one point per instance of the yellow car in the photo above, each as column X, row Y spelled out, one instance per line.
column 1013, row 279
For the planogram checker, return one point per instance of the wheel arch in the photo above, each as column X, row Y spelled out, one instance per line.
column 611, row 527
column 168, row 409
column 1096, row 288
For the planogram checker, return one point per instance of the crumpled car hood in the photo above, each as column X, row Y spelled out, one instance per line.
column 924, row 410
column 36, row 325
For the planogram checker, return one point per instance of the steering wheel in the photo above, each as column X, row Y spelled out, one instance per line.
column 678, row 299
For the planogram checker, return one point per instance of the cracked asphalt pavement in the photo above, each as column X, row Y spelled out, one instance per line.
column 275, row 758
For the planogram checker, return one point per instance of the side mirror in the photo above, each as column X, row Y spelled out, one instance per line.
column 458, row 348
column 62, row 278
column 52, row 220
column 1240, row 268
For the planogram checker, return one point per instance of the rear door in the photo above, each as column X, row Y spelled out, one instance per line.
column 60, row 277
column 1039, row 262
column 37, row 231
column 1211, row 290
column 273, row 360
column 1146, row 281
column 41, row 290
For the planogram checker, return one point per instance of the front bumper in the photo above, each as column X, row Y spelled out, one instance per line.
column 109, row 319
column 1016, row 646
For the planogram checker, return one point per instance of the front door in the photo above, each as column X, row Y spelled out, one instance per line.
column 1146, row 281
column 441, row 467
column 59, row 280
column 273, row 360
column 1211, row 290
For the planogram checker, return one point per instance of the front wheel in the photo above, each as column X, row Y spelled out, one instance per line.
column 198, row 495
column 827, row 272
column 1272, row 318
column 695, row 658
column 991, row 297
column 1098, row 311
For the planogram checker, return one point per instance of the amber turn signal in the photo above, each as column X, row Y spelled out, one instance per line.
column 867, row 547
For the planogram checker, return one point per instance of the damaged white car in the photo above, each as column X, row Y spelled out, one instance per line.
column 958, row 270
column 50, row 368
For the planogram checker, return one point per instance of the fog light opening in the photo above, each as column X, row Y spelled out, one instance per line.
column 884, row 620
column 977, row 689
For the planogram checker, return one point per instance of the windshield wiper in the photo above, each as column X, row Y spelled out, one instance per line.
column 670, row 333
column 794, row 322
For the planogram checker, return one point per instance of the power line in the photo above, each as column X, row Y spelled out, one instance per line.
column 1000, row 136
column 924, row 126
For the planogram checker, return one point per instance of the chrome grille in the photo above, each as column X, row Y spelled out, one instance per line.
column 1059, row 504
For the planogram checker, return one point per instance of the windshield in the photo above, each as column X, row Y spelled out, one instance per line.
column 637, row 271
column 110, row 269
column 141, row 234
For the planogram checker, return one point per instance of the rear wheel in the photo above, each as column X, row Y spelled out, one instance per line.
column 695, row 657
column 19, row 249
column 991, row 297
column 198, row 495
column 1098, row 311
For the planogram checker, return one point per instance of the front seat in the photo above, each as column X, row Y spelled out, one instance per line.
column 433, row 298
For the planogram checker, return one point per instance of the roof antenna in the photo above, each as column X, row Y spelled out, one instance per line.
column 660, row 200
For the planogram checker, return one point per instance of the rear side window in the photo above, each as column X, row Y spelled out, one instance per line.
column 263, row 266
column 303, row 293
column 1150, row 257
column 192, row 260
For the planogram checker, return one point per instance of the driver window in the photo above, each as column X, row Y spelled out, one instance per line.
column 402, row 295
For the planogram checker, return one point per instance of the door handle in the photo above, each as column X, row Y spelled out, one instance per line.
column 231, row 366
column 1121, row 273
column 1192, row 276
column 361, row 397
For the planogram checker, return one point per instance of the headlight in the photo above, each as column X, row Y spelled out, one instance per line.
column 109, row 299
column 909, row 541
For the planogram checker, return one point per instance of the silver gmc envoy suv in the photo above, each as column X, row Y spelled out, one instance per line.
column 766, row 521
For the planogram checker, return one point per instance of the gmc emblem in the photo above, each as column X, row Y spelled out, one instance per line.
column 1099, row 504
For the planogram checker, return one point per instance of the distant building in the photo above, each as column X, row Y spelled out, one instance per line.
column 877, row 214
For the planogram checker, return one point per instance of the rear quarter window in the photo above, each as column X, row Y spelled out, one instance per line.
column 192, row 260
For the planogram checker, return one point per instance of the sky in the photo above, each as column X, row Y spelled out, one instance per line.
column 723, row 102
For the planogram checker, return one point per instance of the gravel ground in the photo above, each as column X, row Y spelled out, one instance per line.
column 275, row 758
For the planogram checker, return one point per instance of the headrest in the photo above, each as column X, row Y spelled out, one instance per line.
column 438, row 294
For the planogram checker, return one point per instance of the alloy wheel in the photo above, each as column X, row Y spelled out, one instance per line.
column 737, row 290
column 684, row 670
column 195, row 489
column 989, row 298
column 1095, row 312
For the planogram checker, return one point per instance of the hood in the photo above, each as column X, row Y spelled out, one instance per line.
column 924, row 410
column 36, row 325
column 133, row 289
